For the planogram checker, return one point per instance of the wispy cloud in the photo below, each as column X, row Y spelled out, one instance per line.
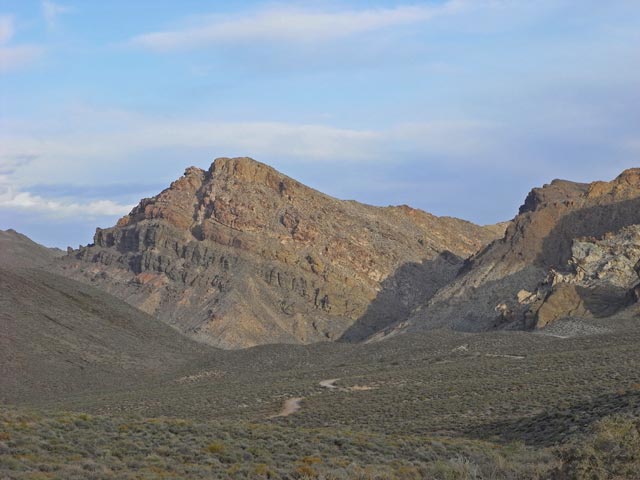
column 51, row 11
column 117, row 136
column 10, row 163
column 121, row 146
column 14, row 199
column 13, row 57
column 293, row 24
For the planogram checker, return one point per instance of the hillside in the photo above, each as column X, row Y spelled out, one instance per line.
column 241, row 255
column 570, row 252
column 61, row 337
column 18, row 250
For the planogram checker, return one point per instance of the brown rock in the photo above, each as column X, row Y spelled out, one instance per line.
column 564, row 301
column 250, row 256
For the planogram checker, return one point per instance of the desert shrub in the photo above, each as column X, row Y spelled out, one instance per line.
column 215, row 447
column 611, row 451
column 306, row 471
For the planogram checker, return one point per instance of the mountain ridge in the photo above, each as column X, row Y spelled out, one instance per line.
column 241, row 254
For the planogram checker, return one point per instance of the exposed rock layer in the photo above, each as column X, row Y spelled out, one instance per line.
column 241, row 255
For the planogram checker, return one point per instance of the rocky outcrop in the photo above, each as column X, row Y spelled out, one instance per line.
column 515, row 281
column 612, row 259
column 601, row 278
column 562, row 301
column 240, row 254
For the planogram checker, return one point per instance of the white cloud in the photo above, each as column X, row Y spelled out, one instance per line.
column 51, row 11
column 468, row 140
column 12, row 198
column 13, row 57
column 9, row 164
column 311, row 141
column 120, row 146
column 286, row 25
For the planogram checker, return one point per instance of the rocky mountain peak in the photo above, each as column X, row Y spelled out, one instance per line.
column 558, row 191
column 241, row 254
column 246, row 169
column 624, row 186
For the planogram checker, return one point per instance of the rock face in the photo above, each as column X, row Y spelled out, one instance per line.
column 601, row 278
column 567, row 253
column 612, row 259
column 241, row 255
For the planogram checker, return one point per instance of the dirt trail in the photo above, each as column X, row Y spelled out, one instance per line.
column 290, row 406
column 516, row 357
column 329, row 383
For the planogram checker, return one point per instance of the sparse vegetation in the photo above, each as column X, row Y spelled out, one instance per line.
column 71, row 445
column 611, row 451
column 570, row 409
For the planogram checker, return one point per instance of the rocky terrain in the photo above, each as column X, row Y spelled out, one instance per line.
column 600, row 279
column 241, row 254
column 570, row 252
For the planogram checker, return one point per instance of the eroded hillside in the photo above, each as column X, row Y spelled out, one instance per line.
column 241, row 254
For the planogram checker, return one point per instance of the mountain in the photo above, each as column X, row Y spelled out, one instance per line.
column 571, row 251
column 59, row 336
column 240, row 254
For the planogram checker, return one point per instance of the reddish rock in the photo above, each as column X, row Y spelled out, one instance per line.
column 251, row 256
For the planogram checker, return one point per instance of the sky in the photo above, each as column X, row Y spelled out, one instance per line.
column 457, row 107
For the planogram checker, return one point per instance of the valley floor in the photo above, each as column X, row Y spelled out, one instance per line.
column 440, row 405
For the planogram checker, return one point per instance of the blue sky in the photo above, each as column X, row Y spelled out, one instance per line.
column 458, row 107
